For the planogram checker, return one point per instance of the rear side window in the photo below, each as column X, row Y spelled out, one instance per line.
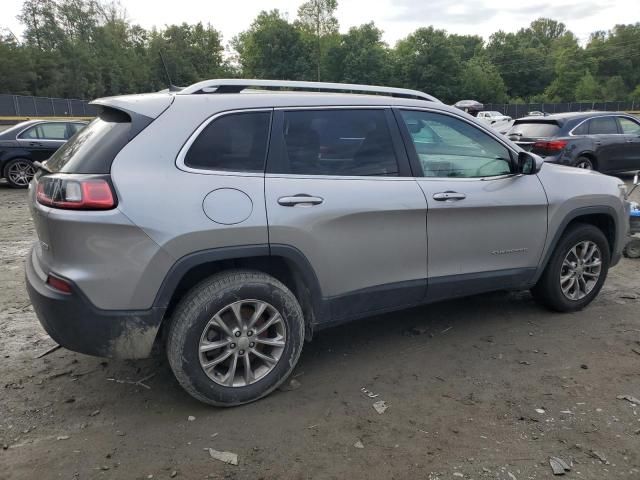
column 603, row 126
column 339, row 142
column 534, row 129
column 93, row 149
column 236, row 142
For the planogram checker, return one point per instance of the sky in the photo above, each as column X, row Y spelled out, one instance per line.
column 397, row 18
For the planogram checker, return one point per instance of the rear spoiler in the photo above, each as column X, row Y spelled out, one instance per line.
column 150, row 105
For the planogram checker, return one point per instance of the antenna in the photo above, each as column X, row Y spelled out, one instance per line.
column 172, row 87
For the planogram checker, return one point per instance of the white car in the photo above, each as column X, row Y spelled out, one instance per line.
column 493, row 117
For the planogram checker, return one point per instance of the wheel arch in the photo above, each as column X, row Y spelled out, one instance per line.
column 283, row 262
column 602, row 217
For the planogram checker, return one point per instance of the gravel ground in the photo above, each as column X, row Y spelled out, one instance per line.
column 485, row 387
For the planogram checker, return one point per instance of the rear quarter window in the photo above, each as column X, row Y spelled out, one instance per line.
column 234, row 142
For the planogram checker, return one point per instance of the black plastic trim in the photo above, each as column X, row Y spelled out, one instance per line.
column 454, row 286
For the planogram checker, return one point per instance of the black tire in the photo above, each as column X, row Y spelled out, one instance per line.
column 192, row 315
column 585, row 163
column 632, row 250
column 14, row 182
column 548, row 291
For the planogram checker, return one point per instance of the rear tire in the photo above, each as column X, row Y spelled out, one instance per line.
column 251, row 321
column 569, row 282
column 585, row 163
column 19, row 172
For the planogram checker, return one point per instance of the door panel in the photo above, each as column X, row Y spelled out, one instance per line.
column 486, row 227
column 365, row 232
column 631, row 133
column 338, row 189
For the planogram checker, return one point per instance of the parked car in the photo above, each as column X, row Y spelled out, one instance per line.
column 230, row 227
column 537, row 113
column 493, row 117
column 30, row 141
column 604, row 141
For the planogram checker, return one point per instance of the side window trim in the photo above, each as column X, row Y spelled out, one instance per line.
column 180, row 158
column 277, row 148
column 21, row 134
column 416, row 165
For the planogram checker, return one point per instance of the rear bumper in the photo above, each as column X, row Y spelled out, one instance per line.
column 75, row 323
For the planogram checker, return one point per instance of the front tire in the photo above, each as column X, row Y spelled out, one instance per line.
column 235, row 337
column 576, row 270
column 632, row 250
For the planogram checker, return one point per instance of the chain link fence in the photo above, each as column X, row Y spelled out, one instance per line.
column 521, row 110
column 26, row 106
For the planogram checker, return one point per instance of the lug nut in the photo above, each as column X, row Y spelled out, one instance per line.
column 241, row 352
column 249, row 333
column 233, row 345
column 237, row 333
column 252, row 344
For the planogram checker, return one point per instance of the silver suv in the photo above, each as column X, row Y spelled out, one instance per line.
column 231, row 220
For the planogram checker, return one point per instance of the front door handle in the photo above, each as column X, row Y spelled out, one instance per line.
column 300, row 200
column 448, row 196
column 35, row 144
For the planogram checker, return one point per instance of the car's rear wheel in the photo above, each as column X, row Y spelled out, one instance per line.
column 576, row 270
column 235, row 337
column 585, row 163
column 19, row 172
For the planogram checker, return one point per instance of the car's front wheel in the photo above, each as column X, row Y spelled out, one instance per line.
column 235, row 337
column 576, row 270
column 19, row 172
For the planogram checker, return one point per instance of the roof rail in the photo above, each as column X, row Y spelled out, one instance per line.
column 237, row 85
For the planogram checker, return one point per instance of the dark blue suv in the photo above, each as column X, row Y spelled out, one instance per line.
column 604, row 141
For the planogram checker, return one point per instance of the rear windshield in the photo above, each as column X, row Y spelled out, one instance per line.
column 93, row 148
column 534, row 129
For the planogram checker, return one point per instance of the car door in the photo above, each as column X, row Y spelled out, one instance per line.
column 339, row 190
column 486, row 226
column 608, row 144
column 630, row 129
column 43, row 139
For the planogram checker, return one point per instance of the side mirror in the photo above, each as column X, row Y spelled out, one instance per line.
column 528, row 164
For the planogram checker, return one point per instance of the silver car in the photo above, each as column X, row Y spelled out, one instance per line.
column 231, row 220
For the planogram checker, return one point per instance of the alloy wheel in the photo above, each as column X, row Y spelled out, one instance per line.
column 20, row 173
column 580, row 270
column 585, row 165
column 242, row 343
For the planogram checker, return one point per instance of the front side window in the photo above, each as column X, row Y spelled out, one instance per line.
column 339, row 142
column 234, row 142
column 629, row 127
column 603, row 126
column 449, row 147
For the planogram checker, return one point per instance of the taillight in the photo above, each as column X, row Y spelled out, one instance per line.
column 59, row 284
column 75, row 193
column 551, row 146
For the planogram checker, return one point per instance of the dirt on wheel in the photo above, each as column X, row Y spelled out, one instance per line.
column 485, row 387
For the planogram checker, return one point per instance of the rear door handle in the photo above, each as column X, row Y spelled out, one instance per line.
column 301, row 200
column 448, row 196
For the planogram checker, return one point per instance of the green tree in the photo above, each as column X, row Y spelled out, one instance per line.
column 614, row 89
column 427, row 60
column 273, row 48
column 481, row 81
column 360, row 56
column 588, row 89
column 317, row 18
